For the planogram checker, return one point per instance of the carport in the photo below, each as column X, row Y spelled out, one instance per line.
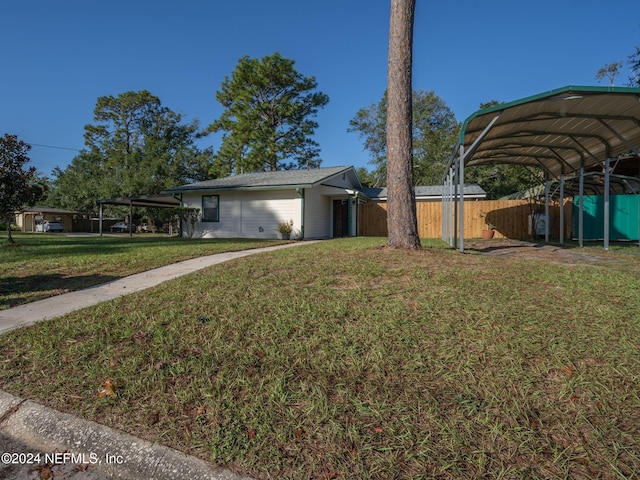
column 576, row 135
column 151, row 201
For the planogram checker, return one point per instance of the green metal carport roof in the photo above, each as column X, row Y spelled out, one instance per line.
column 563, row 132
column 558, row 131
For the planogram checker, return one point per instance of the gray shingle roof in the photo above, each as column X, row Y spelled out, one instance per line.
column 281, row 178
column 425, row 191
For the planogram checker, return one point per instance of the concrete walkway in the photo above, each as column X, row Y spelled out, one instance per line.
column 39, row 442
column 52, row 307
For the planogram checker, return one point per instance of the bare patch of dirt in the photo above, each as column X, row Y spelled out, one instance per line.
column 540, row 251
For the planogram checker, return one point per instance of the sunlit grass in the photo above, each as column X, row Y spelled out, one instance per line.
column 40, row 266
column 347, row 360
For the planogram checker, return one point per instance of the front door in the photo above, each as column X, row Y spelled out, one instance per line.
column 340, row 218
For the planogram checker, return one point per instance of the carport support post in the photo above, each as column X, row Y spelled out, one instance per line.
column 450, row 224
column 447, row 209
column 547, row 188
column 100, row 221
column 461, row 194
column 606, row 203
column 454, row 181
column 349, row 215
column 130, row 218
column 562, row 209
column 443, row 224
column 445, row 201
column 581, row 207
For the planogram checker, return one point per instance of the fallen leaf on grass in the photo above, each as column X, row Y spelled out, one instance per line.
column 154, row 418
column 45, row 472
column 108, row 389
column 329, row 474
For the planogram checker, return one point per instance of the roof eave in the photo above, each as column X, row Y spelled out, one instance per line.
column 242, row 188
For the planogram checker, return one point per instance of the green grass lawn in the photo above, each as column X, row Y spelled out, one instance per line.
column 345, row 360
column 40, row 266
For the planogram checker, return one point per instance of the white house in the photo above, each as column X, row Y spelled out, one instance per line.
column 321, row 203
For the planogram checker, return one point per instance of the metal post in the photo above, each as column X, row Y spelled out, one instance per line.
column 349, row 215
column 130, row 218
column 100, row 221
column 606, row 203
column 445, row 200
column 581, row 207
column 547, row 188
column 562, row 209
column 461, row 198
column 455, row 205
column 449, row 210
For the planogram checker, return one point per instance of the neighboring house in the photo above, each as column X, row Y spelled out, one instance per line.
column 433, row 193
column 321, row 202
column 30, row 217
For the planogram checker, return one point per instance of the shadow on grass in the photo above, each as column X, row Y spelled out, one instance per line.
column 488, row 246
column 16, row 290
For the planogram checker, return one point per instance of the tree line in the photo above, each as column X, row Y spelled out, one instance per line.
column 138, row 146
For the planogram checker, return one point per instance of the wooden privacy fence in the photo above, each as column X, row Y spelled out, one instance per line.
column 509, row 217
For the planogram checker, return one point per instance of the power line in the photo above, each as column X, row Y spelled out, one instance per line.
column 53, row 146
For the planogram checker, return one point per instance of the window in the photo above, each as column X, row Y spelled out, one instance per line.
column 210, row 208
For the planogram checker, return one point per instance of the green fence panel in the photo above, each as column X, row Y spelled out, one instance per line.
column 624, row 217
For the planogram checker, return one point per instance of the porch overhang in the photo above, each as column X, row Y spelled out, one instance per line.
column 332, row 191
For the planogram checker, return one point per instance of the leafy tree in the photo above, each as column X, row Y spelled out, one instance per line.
column 502, row 179
column 267, row 122
column 402, row 223
column 135, row 147
column 367, row 178
column 609, row 71
column 435, row 130
column 19, row 187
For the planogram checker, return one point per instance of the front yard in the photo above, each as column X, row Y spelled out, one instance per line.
column 45, row 265
column 346, row 360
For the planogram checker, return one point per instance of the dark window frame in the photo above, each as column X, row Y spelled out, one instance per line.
column 206, row 218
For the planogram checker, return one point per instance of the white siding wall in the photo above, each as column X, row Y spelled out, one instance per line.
column 317, row 222
column 249, row 214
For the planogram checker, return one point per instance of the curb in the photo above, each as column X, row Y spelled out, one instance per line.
column 112, row 453
column 81, row 449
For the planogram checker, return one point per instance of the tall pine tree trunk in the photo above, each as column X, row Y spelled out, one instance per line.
column 402, row 222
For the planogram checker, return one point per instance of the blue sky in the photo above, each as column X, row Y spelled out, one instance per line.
column 58, row 57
